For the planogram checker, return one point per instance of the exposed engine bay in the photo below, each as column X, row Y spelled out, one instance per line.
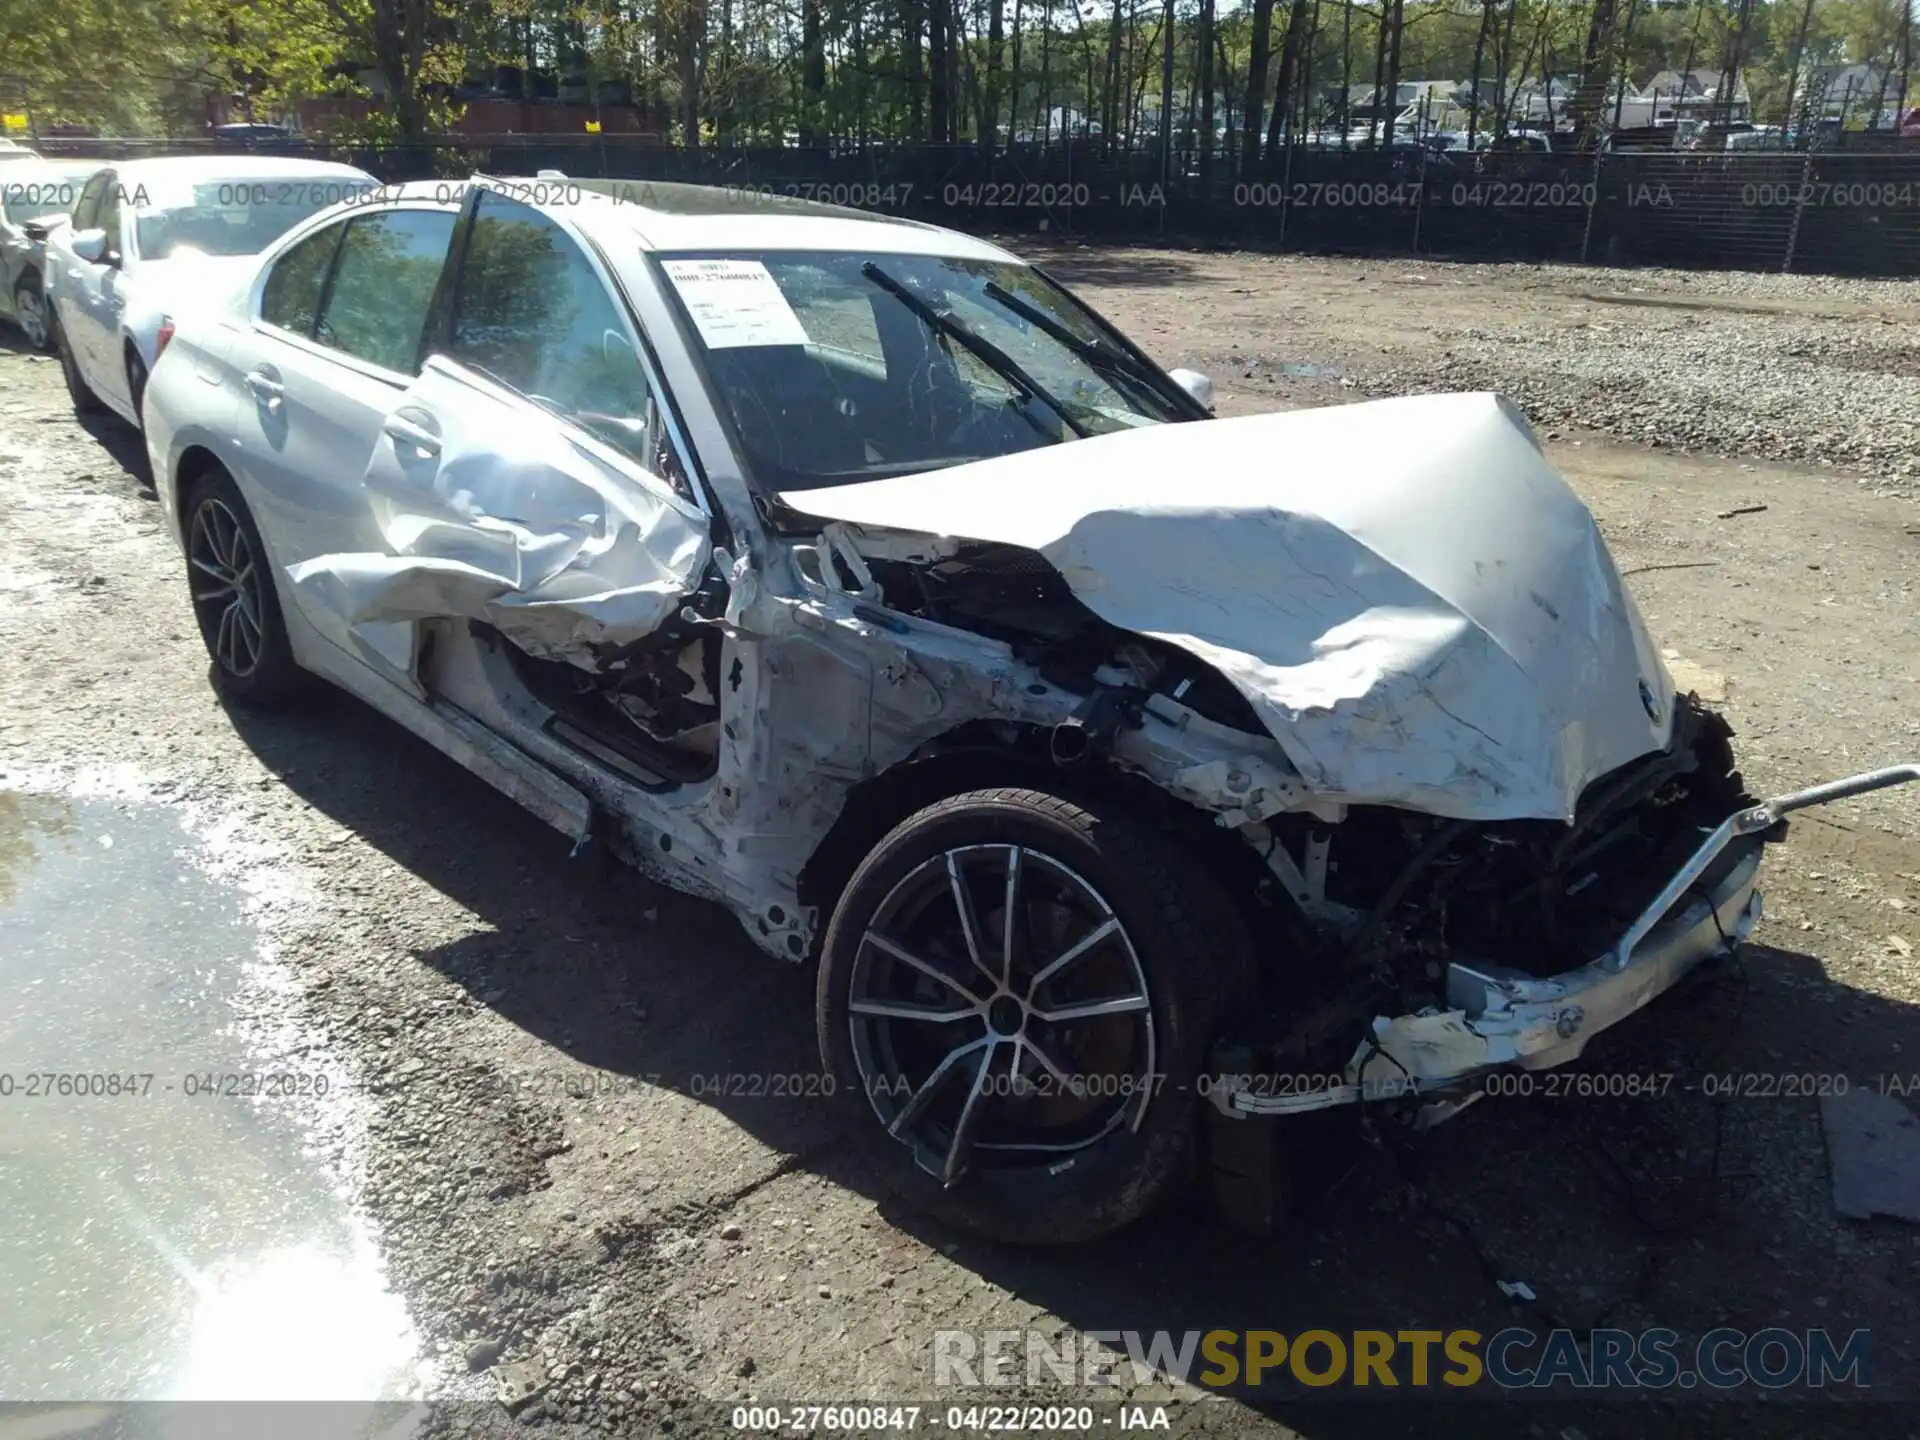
column 1011, row 594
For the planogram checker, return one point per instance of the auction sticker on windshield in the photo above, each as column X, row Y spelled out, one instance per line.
column 735, row 303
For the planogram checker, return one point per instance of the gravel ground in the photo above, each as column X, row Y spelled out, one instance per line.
column 561, row 1183
column 1775, row 367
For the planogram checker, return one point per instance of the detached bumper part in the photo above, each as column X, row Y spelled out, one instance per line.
column 1501, row 1019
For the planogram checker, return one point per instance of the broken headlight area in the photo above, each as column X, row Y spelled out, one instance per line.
column 1396, row 900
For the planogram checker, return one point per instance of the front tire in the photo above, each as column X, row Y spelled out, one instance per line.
column 1015, row 1000
column 234, row 600
column 30, row 313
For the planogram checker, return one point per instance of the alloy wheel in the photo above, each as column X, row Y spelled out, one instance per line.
column 226, row 587
column 1000, row 1015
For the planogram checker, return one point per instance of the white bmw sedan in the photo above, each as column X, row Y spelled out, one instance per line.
column 1121, row 769
column 149, row 238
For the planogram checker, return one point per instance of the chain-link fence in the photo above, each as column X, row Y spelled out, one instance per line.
column 1839, row 212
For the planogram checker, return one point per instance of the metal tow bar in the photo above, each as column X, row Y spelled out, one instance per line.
column 1750, row 821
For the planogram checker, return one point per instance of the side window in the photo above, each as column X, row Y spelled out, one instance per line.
column 382, row 285
column 86, row 213
column 291, row 298
column 531, row 313
column 109, row 217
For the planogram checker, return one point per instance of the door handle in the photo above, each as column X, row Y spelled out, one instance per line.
column 265, row 388
column 407, row 432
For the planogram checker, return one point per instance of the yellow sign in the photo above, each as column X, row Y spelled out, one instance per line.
column 593, row 127
column 13, row 122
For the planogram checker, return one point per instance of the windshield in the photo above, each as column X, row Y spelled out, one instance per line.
column 34, row 192
column 236, row 217
column 844, row 367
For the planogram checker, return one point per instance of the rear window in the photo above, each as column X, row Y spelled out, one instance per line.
column 31, row 193
column 233, row 217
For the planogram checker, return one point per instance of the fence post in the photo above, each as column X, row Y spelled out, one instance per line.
column 1420, row 201
column 1799, row 209
column 1286, row 192
column 1586, row 236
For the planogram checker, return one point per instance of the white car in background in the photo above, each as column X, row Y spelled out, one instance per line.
column 34, row 201
column 148, row 237
column 1118, row 766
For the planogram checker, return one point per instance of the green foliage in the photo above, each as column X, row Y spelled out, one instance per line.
column 135, row 66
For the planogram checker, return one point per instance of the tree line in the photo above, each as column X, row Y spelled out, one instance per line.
column 1230, row 80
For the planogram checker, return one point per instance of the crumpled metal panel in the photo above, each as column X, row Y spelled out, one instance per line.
column 1418, row 608
column 521, row 529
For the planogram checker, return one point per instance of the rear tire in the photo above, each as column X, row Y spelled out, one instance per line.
column 137, row 389
column 234, row 600
column 30, row 313
column 1105, row 1128
column 85, row 402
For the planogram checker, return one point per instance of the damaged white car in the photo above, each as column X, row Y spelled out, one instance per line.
column 1117, row 765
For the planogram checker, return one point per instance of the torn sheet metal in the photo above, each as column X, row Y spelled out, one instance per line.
column 1419, row 609
column 521, row 529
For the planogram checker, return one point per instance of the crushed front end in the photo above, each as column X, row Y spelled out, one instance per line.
column 1459, row 949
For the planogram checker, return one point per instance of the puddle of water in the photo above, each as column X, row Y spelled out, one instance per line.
column 176, row 1239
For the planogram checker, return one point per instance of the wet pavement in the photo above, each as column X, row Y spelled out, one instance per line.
column 171, row 1229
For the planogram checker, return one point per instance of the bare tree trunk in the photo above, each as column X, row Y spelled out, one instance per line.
column 1203, row 63
column 1256, row 83
column 693, row 35
column 1110, row 101
column 939, row 79
column 1399, row 8
column 813, row 75
column 913, row 24
column 1166, row 92
column 1013, row 75
column 1479, row 55
column 1306, row 71
column 1731, row 59
column 1379, row 72
column 1283, row 83
column 990, row 98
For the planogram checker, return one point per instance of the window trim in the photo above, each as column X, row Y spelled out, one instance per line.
column 104, row 176
column 436, row 339
column 338, row 229
column 306, row 344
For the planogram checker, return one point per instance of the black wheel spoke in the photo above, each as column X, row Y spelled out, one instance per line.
column 230, row 609
column 1075, row 1060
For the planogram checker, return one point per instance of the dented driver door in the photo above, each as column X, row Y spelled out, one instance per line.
column 494, row 509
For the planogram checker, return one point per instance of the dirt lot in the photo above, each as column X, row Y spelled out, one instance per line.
column 659, row 1241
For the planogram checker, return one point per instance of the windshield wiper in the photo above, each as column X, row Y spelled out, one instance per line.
column 1100, row 357
column 981, row 348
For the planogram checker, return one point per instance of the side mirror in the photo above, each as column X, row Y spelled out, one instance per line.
column 1195, row 384
column 91, row 246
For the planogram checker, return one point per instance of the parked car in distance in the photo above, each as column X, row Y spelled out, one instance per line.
column 33, row 200
column 149, row 237
column 1105, row 756
column 12, row 152
column 250, row 130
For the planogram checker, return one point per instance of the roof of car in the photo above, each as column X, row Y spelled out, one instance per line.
column 228, row 167
column 668, row 216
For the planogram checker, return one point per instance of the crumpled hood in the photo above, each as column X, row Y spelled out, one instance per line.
column 1416, row 605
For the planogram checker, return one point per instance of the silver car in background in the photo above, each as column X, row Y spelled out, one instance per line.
column 35, row 197
column 151, row 236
